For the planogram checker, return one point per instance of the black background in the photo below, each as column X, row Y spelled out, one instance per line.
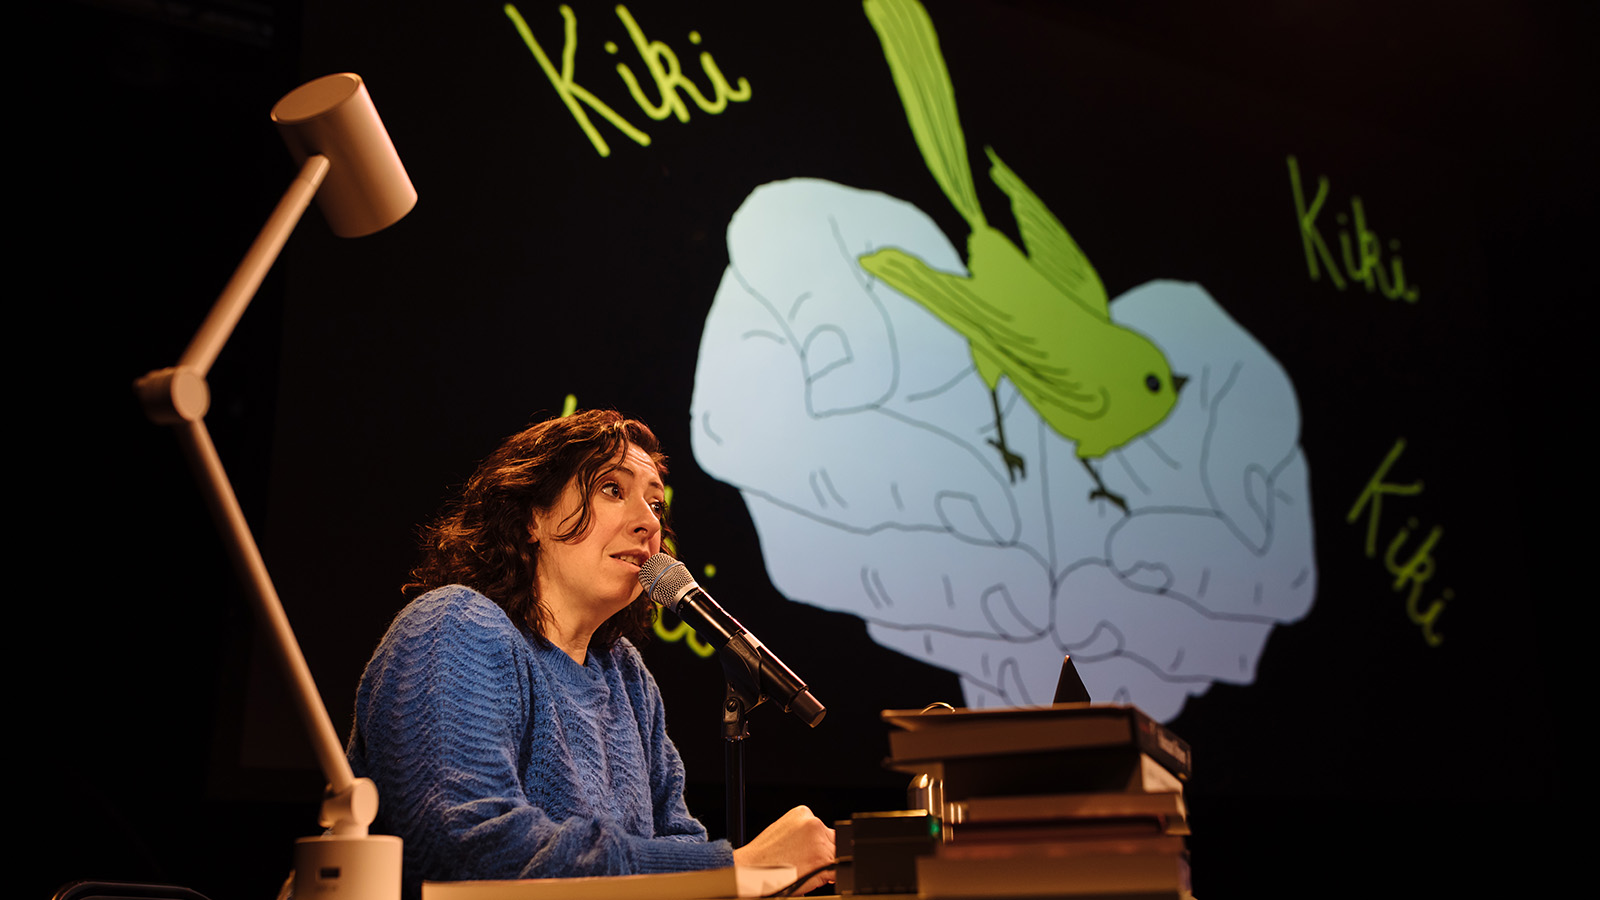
column 371, row 374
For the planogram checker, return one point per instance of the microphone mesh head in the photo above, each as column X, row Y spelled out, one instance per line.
column 666, row 580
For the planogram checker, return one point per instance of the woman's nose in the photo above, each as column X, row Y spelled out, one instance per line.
column 645, row 519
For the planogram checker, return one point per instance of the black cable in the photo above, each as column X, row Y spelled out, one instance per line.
column 789, row 889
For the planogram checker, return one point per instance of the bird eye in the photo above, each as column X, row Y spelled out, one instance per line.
column 1153, row 383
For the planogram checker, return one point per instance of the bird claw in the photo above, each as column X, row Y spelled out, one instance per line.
column 1015, row 464
column 1115, row 499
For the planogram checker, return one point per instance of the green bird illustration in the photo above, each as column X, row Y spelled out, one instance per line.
column 1040, row 318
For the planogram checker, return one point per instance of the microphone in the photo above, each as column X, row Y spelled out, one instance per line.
column 669, row 584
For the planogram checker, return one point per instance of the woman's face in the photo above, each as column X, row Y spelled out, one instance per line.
column 584, row 581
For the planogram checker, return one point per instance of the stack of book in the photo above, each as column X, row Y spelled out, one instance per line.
column 1075, row 800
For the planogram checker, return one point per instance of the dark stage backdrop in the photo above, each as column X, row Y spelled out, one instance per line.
column 1311, row 559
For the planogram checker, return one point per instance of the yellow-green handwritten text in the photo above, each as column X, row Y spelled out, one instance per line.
column 1360, row 249
column 660, row 62
column 1412, row 569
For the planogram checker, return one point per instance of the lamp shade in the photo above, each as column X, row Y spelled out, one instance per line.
column 367, row 188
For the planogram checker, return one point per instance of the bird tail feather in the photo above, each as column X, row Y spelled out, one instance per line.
column 911, row 47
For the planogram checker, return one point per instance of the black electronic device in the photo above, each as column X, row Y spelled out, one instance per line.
column 884, row 847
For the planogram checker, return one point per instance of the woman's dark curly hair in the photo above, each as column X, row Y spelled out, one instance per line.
column 481, row 538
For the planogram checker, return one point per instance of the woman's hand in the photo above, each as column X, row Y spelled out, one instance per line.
column 799, row 839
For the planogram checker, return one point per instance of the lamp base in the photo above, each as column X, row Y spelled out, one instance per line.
column 347, row 867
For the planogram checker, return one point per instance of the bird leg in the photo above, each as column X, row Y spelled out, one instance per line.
column 1100, row 492
column 1014, row 463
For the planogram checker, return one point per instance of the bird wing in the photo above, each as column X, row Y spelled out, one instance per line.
column 999, row 346
column 1051, row 249
column 950, row 298
column 911, row 46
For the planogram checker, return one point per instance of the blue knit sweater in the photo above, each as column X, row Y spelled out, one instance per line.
column 497, row 758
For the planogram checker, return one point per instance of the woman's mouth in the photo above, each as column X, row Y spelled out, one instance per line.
column 635, row 558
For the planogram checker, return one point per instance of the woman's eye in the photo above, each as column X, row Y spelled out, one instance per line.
column 659, row 508
column 611, row 489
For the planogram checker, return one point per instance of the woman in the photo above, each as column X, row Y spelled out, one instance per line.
column 511, row 727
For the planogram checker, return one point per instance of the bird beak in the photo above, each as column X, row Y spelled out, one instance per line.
column 1178, row 381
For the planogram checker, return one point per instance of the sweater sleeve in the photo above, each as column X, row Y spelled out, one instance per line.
column 442, row 725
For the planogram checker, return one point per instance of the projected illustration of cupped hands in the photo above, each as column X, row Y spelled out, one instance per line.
column 858, row 429
column 978, row 498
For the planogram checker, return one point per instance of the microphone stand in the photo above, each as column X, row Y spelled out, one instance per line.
column 733, row 734
column 745, row 661
column 741, row 665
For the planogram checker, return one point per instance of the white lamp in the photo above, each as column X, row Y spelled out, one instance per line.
column 333, row 131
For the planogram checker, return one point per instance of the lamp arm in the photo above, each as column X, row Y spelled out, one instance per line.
column 179, row 396
column 258, row 260
column 350, row 804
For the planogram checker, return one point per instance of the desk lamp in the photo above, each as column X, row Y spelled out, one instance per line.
column 349, row 164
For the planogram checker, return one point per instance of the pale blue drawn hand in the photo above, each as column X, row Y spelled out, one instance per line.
column 856, row 428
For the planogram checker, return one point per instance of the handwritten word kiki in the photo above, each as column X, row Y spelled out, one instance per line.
column 659, row 61
column 1413, row 574
column 1361, row 252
